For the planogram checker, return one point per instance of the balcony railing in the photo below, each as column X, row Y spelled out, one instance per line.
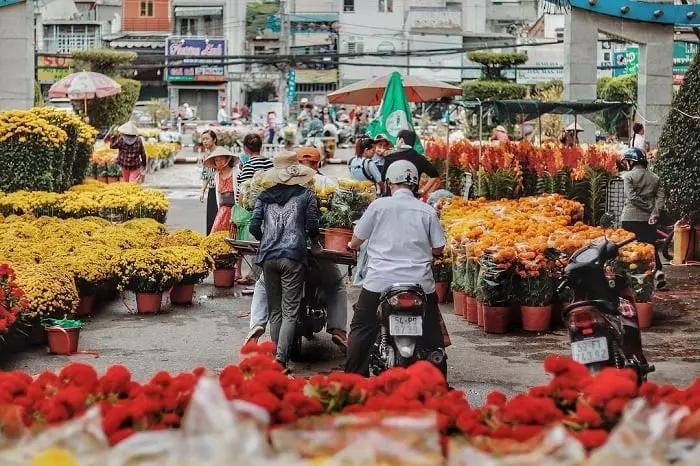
column 147, row 24
column 67, row 43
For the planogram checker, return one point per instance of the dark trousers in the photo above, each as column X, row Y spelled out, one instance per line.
column 365, row 327
column 212, row 208
column 284, row 282
column 646, row 234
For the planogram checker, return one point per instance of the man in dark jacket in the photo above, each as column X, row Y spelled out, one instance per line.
column 284, row 216
column 405, row 141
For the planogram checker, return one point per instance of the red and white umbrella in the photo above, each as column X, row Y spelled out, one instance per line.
column 85, row 85
column 370, row 91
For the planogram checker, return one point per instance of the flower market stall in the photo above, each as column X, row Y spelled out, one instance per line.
column 500, row 274
column 250, row 413
column 103, row 166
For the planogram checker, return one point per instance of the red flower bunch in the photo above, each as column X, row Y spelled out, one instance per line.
column 12, row 300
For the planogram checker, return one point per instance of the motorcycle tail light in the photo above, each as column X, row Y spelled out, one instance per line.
column 405, row 300
column 583, row 320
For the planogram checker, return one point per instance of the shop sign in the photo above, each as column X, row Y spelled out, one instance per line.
column 683, row 54
column 207, row 71
column 316, row 76
column 427, row 19
column 252, row 77
column 52, row 68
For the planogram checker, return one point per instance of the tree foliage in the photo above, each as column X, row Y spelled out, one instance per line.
column 494, row 63
column 494, row 90
column 256, row 17
column 104, row 61
column 678, row 163
column 619, row 89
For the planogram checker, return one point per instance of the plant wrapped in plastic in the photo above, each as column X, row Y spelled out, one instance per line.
column 636, row 262
column 535, row 284
column 442, row 269
column 472, row 272
column 495, row 282
column 459, row 263
column 62, row 323
column 349, row 202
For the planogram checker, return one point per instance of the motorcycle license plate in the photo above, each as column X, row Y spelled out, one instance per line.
column 590, row 351
column 405, row 325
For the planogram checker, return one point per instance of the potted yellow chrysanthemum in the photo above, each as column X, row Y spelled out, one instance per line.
column 195, row 265
column 148, row 273
column 224, row 258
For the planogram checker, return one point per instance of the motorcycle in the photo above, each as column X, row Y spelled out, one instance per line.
column 313, row 312
column 602, row 320
column 400, row 314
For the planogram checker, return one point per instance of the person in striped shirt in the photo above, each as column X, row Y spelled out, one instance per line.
column 252, row 145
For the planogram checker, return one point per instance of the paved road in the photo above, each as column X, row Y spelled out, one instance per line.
column 209, row 332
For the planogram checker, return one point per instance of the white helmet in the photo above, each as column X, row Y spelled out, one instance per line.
column 402, row 172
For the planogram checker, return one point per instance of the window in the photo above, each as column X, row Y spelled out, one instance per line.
column 355, row 46
column 348, row 6
column 386, row 6
column 187, row 27
column 65, row 38
column 147, row 8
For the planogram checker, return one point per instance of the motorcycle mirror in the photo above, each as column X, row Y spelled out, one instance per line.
column 551, row 254
column 608, row 220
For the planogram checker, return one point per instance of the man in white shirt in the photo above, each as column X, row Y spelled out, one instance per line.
column 403, row 235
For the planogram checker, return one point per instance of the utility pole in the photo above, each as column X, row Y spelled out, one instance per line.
column 283, row 92
column 407, row 38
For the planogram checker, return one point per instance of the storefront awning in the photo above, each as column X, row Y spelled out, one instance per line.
column 137, row 44
column 199, row 11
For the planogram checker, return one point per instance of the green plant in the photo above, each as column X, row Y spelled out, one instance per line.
column 38, row 96
column 158, row 110
column 678, row 163
column 105, row 61
column 619, row 89
column 555, row 85
column 256, row 17
column 551, row 125
column 493, row 90
column 494, row 63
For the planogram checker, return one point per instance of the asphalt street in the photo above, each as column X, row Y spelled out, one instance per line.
column 210, row 331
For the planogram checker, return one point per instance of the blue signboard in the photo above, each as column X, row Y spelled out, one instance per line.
column 207, row 70
column 292, row 85
column 10, row 2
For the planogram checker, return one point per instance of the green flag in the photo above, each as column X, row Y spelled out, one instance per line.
column 394, row 113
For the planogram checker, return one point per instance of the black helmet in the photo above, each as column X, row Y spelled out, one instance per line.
column 634, row 156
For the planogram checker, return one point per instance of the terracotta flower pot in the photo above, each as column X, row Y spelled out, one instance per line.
column 89, row 177
column 224, row 278
column 63, row 340
column 480, row 314
column 148, row 302
column 85, row 305
column 441, row 289
column 182, row 294
column 112, row 179
column 336, row 239
column 645, row 313
column 458, row 300
column 536, row 318
column 472, row 312
column 103, row 179
column 496, row 319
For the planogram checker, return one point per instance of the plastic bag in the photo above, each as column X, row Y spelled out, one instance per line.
column 495, row 282
column 555, row 448
column 641, row 438
column 411, row 438
column 241, row 218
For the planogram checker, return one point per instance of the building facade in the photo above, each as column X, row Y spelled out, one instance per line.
column 17, row 63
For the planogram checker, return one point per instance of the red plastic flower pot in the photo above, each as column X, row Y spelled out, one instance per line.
column 224, row 278
column 458, row 301
column 496, row 319
column 536, row 318
column 480, row 314
column 85, row 305
column 472, row 312
column 63, row 340
column 441, row 289
column 147, row 303
column 336, row 239
column 112, row 179
column 645, row 312
column 182, row 294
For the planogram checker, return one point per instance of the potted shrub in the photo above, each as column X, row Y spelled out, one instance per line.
column 90, row 268
column 347, row 205
column 13, row 304
column 495, row 288
column 114, row 173
column 148, row 273
column 224, row 256
column 636, row 262
column 50, row 292
column 459, row 297
column 471, row 311
column 195, row 265
column 63, row 335
column 91, row 171
column 536, row 291
column 442, row 272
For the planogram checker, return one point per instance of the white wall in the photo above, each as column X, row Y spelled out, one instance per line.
column 234, row 31
column 17, row 56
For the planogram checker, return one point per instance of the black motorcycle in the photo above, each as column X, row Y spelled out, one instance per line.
column 602, row 320
column 399, row 342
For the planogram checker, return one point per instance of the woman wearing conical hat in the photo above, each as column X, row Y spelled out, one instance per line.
column 132, row 158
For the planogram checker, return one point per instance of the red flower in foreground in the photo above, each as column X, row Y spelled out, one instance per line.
column 592, row 438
